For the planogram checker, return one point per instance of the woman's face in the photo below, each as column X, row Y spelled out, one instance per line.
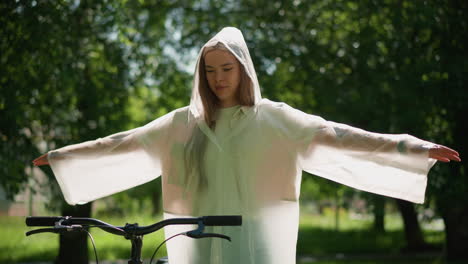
column 223, row 75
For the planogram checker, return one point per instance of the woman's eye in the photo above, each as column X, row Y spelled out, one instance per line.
column 209, row 71
column 227, row 69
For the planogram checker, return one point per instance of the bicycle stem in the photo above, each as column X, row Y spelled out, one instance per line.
column 137, row 244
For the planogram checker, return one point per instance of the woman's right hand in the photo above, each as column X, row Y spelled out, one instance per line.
column 42, row 160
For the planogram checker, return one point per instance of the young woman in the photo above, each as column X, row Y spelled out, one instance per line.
column 232, row 152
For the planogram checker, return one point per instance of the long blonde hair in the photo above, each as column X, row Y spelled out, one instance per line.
column 196, row 146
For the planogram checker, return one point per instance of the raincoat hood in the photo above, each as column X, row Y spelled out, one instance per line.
column 233, row 40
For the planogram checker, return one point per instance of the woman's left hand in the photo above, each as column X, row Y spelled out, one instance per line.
column 443, row 153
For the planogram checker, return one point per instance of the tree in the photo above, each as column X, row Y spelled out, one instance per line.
column 68, row 69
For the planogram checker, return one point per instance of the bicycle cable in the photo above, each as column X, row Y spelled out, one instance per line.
column 106, row 226
column 94, row 246
column 162, row 243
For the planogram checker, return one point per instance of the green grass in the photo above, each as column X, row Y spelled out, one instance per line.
column 317, row 238
column 15, row 246
column 318, row 235
column 416, row 261
column 356, row 240
column 44, row 247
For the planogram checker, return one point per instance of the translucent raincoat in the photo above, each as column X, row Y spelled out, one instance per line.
column 253, row 168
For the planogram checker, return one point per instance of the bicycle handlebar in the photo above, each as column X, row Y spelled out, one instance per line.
column 133, row 232
column 228, row 220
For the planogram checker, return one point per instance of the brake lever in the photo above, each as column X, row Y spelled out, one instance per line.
column 56, row 229
column 42, row 230
column 205, row 235
column 198, row 233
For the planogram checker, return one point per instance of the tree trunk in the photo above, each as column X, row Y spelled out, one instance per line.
column 452, row 201
column 456, row 231
column 379, row 214
column 157, row 206
column 156, row 197
column 414, row 238
column 74, row 246
column 337, row 212
column 453, row 204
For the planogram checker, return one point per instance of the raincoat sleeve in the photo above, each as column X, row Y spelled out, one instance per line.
column 394, row 165
column 101, row 167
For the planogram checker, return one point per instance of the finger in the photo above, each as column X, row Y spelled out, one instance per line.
column 440, row 158
column 452, row 156
column 39, row 158
column 449, row 150
column 449, row 155
column 40, row 162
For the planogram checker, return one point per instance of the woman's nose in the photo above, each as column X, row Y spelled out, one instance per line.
column 219, row 76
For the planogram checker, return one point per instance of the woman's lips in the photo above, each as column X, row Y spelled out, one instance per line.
column 219, row 88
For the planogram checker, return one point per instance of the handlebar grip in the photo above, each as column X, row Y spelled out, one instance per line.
column 225, row 220
column 42, row 220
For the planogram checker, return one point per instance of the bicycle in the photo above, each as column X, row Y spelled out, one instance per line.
column 132, row 232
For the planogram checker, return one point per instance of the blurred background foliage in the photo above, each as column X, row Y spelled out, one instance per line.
column 72, row 71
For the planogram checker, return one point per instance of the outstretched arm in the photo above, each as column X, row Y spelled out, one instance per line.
column 97, row 168
column 386, row 164
column 116, row 143
column 351, row 138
